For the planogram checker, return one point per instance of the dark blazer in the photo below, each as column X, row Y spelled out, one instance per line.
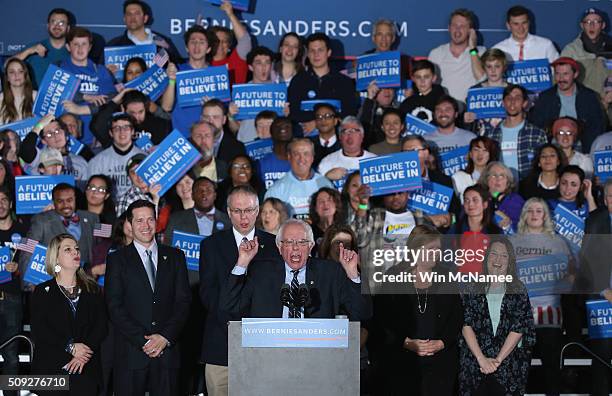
column 321, row 152
column 124, row 40
column 135, row 310
column 185, row 221
column 229, row 148
column 54, row 326
column 47, row 225
column 594, row 275
column 218, row 256
column 257, row 294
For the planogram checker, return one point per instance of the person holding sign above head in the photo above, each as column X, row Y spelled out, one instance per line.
column 393, row 128
column 483, row 150
column 68, row 319
column 17, row 96
column 425, row 92
column 568, row 97
column 498, row 333
column 543, row 179
column 148, row 298
column 522, row 45
column 518, row 139
column 565, row 132
column 337, row 165
column 506, row 202
column 289, row 58
column 297, row 186
column 448, row 137
column 370, row 113
column 139, row 189
column 218, row 255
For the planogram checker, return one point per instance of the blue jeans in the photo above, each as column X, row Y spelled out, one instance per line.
column 10, row 325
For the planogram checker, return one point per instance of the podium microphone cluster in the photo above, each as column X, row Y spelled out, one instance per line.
column 300, row 299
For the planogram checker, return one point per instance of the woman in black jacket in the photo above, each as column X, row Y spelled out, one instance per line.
column 68, row 320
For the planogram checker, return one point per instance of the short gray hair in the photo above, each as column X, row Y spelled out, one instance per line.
column 242, row 189
column 216, row 131
column 484, row 177
column 351, row 120
column 384, row 21
column 305, row 226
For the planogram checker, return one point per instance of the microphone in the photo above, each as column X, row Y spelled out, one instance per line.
column 285, row 295
column 302, row 297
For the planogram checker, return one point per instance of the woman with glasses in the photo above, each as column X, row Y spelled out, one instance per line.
column 566, row 131
column 482, row 151
column 498, row 330
column 242, row 172
column 507, row 204
column 17, row 96
column 543, row 180
column 98, row 193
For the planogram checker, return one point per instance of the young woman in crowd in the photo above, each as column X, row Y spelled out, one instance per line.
column 272, row 215
column 289, row 59
column 482, row 151
column 575, row 192
column 325, row 209
column 392, row 126
column 498, row 330
column 507, row 204
column 242, row 172
column 17, row 96
column 566, row 131
column 98, row 193
column 543, row 180
column 9, row 148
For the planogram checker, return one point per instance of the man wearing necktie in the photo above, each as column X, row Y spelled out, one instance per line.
column 64, row 218
column 253, row 288
column 148, row 298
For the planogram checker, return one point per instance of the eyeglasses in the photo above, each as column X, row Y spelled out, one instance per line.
column 498, row 175
column 416, row 149
column 241, row 166
column 95, row 189
column 57, row 22
column 122, row 128
column 246, row 211
column 293, row 242
column 350, row 131
column 52, row 134
column 326, row 116
column 593, row 22
column 566, row 133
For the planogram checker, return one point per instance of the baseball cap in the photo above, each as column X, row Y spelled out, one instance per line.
column 566, row 60
column 134, row 160
column 51, row 156
column 593, row 10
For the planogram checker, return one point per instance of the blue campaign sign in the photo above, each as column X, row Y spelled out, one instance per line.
column 294, row 333
column 391, row 173
column 152, row 82
column 242, row 5
column 21, row 128
column 254, row 98
column 602, row 161
column 193, row 85
column 56, row 86
column 36, row 272
column 399, row 93
column 534, row 75
column 599, row 317
column 74, row 146
column 118, row 56
column 5, row 257
column 257, row 149
column 169, row 162
column 569, row 226
column 33, row 193
column 416, row 126
column 432, row 199
column 486, row 102
column 382, row 67
column 144, row 143
column 309, row 105
column 190, row 245
column 454, row 160
column 609, row 64
column 544, row 275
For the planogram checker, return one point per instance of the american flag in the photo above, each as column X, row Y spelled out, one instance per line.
column 26, row 244
column 161, row 58
column 102, row 230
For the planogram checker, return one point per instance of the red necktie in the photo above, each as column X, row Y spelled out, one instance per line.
column 67, row 220
column 521, row 54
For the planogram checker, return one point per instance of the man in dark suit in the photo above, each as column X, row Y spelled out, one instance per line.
column 334, row 288
column 147, row 293
column 218, row 255
column 227, row 147
column 64, row 218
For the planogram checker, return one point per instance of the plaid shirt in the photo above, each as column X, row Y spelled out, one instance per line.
column 529, row 139
column 131, row 195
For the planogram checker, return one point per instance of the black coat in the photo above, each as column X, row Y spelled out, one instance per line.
column 124, row 40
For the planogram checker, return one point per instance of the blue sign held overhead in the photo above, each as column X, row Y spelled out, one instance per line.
column 23, row 127
column 294, row 333
column 486, row 102
column 169, row 162
column 416, row 126
column 56, row 86
column 190, row 245
column 382, row 67
column 33, row 193
column 309, row 105
column 534, row 75
column 152, row 82
column 257, row 149
column 36, row 272
column 193, row 85
column 599, row 316
column 251, row 99
column 5, row 257
column 602, row 162
column 544, row 275
column 119, row 56
column 242, row 5
column 391, row 173
column 454, row 160
column 432, row 199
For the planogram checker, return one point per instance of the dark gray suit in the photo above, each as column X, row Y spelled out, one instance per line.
column 185, row 221
column 47, row 225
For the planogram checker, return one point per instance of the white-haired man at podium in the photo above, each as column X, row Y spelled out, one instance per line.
column 298, row 286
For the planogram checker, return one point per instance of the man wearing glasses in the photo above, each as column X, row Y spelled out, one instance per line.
column 112, row 161
column 218, row 255
column 326, row 121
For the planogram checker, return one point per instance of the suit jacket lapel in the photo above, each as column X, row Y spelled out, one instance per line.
column 279, row 279
column 137, row 266
column 192, row 222
column 311, row 284
column 229, row 250
column 162, row 267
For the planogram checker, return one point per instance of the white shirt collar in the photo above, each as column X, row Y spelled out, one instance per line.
column 332, row 140
column 142, row 251
column 238, row 236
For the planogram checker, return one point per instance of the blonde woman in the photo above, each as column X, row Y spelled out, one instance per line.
column 68, row 320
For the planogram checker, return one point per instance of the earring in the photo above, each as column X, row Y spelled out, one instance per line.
column 57, row 269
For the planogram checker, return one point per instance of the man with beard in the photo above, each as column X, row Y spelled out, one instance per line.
column 226, row 146
column 136, row 104
column 448, row 137
column 113, row 160
column 570, row 98
column 518, row 139
column 590, row 49
column 51, row 50
column 202, row 136
column 275, row 165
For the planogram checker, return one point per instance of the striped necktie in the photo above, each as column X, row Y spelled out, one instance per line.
column 294, row 312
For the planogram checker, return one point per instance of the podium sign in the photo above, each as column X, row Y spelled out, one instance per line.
column 295, row 333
